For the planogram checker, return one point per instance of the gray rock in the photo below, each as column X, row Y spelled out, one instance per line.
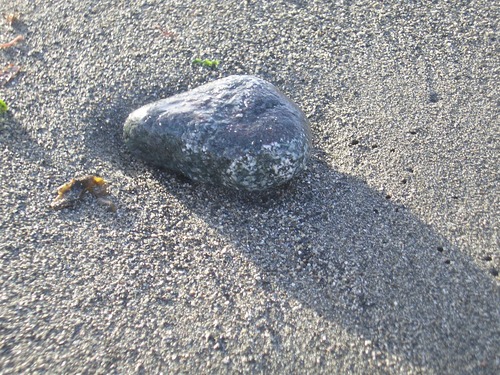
column 239, row 131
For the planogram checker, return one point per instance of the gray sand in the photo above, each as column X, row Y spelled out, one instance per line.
column 381, row 258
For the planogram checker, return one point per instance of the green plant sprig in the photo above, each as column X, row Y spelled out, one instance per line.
column 207, row 63
column 3, row 106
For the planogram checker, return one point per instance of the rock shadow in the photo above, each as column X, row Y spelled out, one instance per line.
column 365, row 263
column 344, row 250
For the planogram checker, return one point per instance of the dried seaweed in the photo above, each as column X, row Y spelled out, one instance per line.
column 73, row 191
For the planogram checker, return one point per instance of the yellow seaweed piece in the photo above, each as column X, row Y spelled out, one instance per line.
column 74, row 190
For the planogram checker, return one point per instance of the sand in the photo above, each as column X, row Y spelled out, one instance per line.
column 381, row 258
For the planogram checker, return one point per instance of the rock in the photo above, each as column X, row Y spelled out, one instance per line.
column 239, row 131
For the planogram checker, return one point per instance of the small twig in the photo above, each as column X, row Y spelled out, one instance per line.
column 168, row 34
column 7, row 73
column 13, row 42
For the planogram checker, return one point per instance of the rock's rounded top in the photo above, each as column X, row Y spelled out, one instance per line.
column 239, row 131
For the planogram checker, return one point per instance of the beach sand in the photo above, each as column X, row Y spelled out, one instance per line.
column 381, row 258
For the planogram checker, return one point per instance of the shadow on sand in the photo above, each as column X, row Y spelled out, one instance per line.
column 359, row 260
column 367, row 264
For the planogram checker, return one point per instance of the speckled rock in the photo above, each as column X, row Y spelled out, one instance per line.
column 239, row 131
